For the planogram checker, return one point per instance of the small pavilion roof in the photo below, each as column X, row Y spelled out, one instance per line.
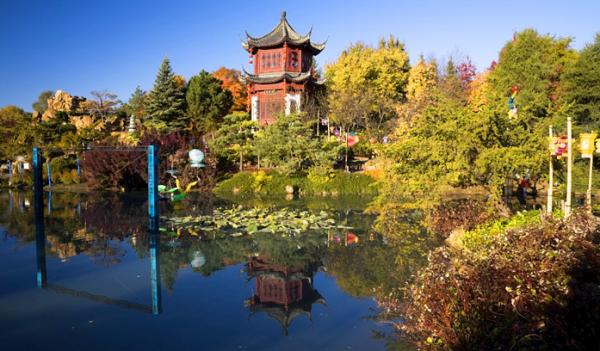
column 266, row 78
column 282, row 33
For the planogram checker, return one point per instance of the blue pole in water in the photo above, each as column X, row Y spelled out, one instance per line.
column 10, row 170
column 40, row 235
column 49, row 173
column 153, row 186
column 154, row 221
column 78, row 168
column 155, row 272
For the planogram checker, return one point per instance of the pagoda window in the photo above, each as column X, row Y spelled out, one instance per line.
column 293, row 60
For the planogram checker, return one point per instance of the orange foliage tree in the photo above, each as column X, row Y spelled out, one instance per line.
column 231, row 79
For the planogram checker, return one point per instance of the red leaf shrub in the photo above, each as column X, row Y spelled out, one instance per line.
column 115, row 168
column 537, row 288
column 463, row 213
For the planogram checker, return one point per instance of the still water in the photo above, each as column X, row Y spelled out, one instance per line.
column 92, row 277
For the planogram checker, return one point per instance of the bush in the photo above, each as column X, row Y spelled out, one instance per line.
column 317, row 182
column 129, row 170
column 450, row 215
column 534, row 288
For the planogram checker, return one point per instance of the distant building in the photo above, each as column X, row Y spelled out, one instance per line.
column 284, row 71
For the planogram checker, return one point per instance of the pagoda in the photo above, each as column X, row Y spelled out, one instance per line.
column 282, row 292
column 284, row 71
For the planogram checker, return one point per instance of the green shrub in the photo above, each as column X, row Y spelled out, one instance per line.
column 317, row 181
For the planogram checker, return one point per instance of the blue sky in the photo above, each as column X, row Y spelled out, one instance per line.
column 80, row 46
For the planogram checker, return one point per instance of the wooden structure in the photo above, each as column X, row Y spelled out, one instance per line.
column 283, row 71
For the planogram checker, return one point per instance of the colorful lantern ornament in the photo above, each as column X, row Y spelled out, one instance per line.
column 586, row 144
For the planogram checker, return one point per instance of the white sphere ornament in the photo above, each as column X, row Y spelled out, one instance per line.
column 196, row 158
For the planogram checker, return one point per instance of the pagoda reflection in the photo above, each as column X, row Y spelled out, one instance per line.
column 282, row 292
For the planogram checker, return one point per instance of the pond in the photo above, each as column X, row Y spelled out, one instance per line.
column 91, row 275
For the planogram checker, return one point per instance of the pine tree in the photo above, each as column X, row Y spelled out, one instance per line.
column 207, row 101
column 135, row 105
column 451, row 83
column 165, row 104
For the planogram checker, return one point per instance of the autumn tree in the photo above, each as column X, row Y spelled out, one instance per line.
column 422, row 79
column 15, row 132
column 207, row 102
column 231, row 80
column 365, row 83
column 165, row 103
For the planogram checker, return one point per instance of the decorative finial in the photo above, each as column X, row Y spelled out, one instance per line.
column 282, row 14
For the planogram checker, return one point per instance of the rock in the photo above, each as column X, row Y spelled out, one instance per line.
column 63, row 102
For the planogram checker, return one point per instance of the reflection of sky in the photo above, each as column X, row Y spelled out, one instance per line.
column 201, row 312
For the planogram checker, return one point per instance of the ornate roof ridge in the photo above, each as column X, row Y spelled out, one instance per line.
column 294, row 77
column 282, row 33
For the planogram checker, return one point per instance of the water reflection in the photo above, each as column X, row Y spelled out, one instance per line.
column 282, row 292
column 42, row 275
column 107, row 234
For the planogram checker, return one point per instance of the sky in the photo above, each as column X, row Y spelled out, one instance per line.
column 82, row 46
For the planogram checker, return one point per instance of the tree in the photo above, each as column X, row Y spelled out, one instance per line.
column 422, row 79
column 534, row 64
column 231, row 80
column 365, row 83
column 165, row 103
column 15, row 131
column 289, row 146
column 207, row 102
column 136, row 103
column 104, row 104
column 42, row 102
column 233, row 140
column 451, row 83
column 582, row 86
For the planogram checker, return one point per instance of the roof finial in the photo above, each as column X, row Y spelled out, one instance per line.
column 282, row 14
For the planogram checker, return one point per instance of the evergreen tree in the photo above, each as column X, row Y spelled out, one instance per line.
column 451, row 83
column 233, row 139
column 135, row 105
column 165, row 104
column 207, row 101
column 582, row 86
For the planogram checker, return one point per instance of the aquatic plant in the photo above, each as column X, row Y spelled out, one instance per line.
column 237, row 221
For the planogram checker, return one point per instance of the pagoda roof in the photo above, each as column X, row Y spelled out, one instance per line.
column 282, row 33
column 285, row 315
column 266, row 78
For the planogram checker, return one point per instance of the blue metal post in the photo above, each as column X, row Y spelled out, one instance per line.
column 49, row 202
column 155, row 271
column 10, row 170
column 153, row 214
column 153, row 186
column 40, row 235
column 49, row 174
column 78, row 168
column 20, row 168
